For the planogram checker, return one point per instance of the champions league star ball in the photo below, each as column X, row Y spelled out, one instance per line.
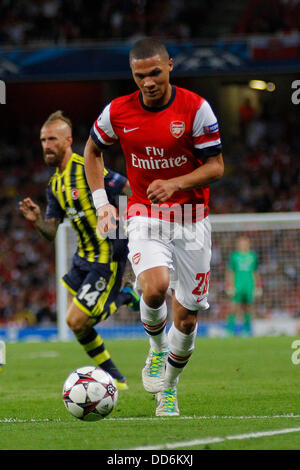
column 90, row 393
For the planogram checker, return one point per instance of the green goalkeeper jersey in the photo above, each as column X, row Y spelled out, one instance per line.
column 243, row 265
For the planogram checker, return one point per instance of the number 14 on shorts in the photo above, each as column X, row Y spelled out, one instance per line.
column 202, row 286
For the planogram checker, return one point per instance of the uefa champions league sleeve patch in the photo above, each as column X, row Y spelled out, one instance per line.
column 212, row 128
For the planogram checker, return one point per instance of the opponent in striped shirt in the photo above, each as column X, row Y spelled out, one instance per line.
column 95, row 276
column 171, row 143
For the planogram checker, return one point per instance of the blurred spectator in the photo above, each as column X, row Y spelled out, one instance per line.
column 34, row 21
column 27, row 264
column 247, row 113
column 68, row 21
column 270, row 17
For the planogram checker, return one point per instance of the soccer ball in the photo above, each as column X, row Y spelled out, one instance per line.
column 90, row 393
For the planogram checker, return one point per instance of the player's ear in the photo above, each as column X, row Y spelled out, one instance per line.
column 70, row 140
column 171, row 64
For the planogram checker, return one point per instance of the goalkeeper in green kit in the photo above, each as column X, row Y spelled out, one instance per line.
column 243, row 285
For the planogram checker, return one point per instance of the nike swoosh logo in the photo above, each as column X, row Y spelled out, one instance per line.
column 130, row 130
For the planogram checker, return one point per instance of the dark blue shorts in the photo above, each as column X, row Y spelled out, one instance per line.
column 95, row 286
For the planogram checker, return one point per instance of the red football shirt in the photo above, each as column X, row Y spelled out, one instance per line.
column 160, row 143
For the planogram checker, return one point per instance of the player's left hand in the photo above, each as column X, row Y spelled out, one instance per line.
column 161, row 190
column 230, row 292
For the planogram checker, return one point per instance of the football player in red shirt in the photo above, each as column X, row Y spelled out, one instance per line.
column 171, row 143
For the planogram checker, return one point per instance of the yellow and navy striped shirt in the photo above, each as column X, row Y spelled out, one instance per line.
column 69, row 195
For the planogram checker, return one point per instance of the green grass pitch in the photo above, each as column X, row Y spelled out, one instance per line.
column 234, row 387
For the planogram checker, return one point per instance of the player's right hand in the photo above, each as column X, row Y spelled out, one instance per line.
column 30, row 210
column 230, row 290
column 107, row 219
column 258, row 292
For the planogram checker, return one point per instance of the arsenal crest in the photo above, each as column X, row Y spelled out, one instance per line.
column 177, row 128
column 136, row 258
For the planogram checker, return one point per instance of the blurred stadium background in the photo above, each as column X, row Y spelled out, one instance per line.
column 73, row 55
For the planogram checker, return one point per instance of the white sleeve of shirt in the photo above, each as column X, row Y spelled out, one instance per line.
column 205, row 127
column 103, row 129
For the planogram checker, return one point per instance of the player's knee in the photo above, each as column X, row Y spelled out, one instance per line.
column 154, row 283
column 154, row 295
column 72, row 324
column 76, row 323
column 187, row 325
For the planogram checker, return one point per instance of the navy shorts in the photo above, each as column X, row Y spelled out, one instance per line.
column 95, row 286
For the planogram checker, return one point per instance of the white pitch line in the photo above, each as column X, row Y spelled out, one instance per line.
column 44, row 354
column 140, row 418
column 214, row 417
column 19, row 420
column 213, row 440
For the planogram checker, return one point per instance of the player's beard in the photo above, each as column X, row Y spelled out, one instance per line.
column 52, row 158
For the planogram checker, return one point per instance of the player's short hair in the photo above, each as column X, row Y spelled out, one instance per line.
column 148, row 47
column 58, row 116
